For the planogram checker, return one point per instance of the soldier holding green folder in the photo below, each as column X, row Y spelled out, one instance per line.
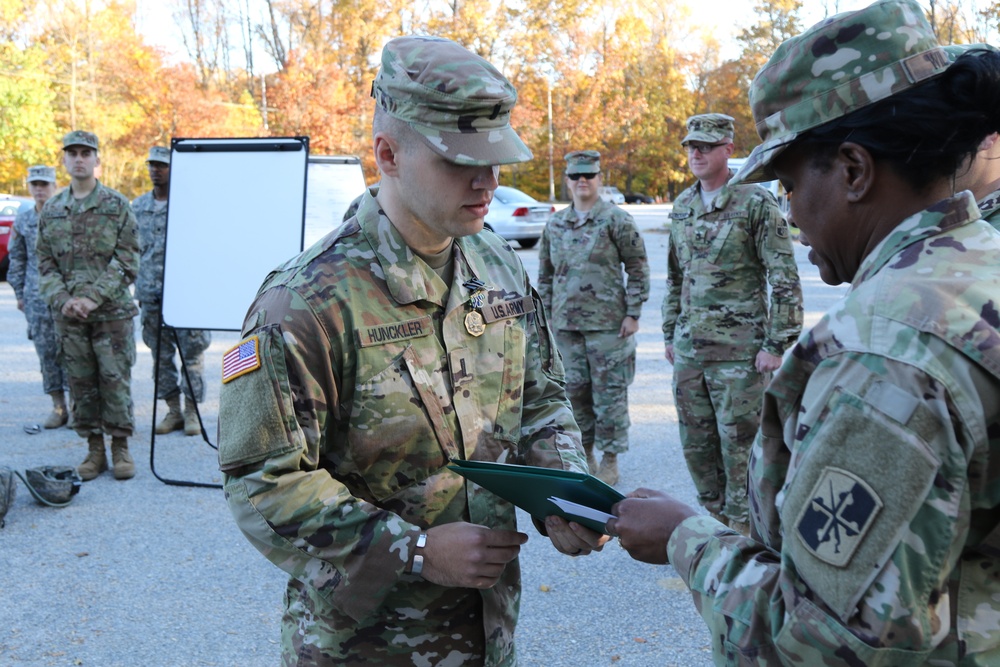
column 403, row 340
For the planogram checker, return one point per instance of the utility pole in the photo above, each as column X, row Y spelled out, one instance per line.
column 263, row 97
column 552, row 176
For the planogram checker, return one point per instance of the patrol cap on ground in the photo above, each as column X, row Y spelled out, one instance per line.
column 159, row 154
column 41, row 173
column 711, row 128
column 583, row 162
column 458, row 102
column 80, row 138
column 840, row 65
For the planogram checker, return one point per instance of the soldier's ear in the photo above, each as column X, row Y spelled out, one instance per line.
column 386, row 149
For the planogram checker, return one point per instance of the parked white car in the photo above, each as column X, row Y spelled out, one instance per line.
column 611, row 194
column 773, row 186
column 517, row 216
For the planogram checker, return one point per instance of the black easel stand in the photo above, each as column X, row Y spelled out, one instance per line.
column 156, row 386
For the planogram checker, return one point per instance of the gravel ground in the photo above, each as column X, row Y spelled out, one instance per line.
column 148, row 573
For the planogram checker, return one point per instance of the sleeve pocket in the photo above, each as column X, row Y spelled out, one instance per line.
column 256, row 419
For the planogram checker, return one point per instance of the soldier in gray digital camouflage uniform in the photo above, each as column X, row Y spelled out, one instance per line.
column 724, row 332
column 23, row 277
column 400, row 341
column 151, row 217
column 593, row 308
column 982, row 176
column 88, row 255
column 875, row 477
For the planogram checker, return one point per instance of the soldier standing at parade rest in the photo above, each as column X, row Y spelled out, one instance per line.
column 723, row 333
column 23, row 277
column 88, row 255
column 594, row 312
column 151, row 217
column 404, row 339
column 875, row 480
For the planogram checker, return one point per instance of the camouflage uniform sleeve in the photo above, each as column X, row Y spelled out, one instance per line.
column 632, row 250
column 671, row 308
column 18, row 252
column 545, row 271
column 51, row 284
column 124, row 264
column 276, row 439
column 774, row 247
column 871, row 535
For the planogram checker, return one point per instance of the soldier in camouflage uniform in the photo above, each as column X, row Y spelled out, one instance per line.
column 875, row 480
column 151, row 217
column 396, row 343
column 594, row 312
column 88, row 255
column 23, row 277
column 723, row 332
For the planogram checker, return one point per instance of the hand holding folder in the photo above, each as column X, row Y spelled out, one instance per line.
column 541, row 492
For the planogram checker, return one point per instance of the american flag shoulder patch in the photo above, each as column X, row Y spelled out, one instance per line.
column 241, row 359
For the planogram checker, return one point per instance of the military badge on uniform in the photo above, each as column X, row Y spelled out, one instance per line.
column 781, row 229
column 477, row 287
column 241, row 359
column 841, row 509
column 474, row 323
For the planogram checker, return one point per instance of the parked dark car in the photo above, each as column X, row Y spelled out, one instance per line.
column 638, row 198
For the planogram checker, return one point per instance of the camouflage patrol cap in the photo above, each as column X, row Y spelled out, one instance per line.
column 456, row 101
column 80, row 138
column 712, row 128
column 159, row 154
column 52, row 485
column 840, row 65
column 41, row 173
column 583, row 162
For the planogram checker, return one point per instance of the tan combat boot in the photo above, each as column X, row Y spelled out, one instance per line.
column 608, row 472
column 591, row 461
column 121, row 460
column 59, row 415
column 96, row 461
column 174, row 420
column 192, row 425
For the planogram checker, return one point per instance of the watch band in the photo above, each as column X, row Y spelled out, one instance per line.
column 418, row 559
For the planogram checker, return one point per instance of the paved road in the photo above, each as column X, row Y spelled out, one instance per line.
column 145, row 573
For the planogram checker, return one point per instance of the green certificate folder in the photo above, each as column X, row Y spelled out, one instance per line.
column 544, row 491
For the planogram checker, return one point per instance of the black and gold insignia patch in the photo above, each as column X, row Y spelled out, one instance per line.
column 840, row 510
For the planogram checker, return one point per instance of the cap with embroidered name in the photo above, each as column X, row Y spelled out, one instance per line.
column 80, row 138
column 457, row 102
column 40, row 172
column 710, row 128
column 159, row 154
column 583, row 162
column 842, row 64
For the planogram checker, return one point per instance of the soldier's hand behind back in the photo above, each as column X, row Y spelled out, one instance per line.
column 467, row 555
